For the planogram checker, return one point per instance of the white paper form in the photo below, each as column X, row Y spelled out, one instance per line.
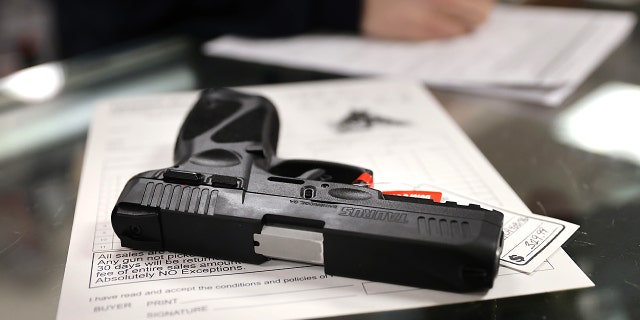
column 530, row 53
column 103, row 280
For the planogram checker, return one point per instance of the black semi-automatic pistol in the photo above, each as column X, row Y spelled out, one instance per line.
column 229, row 197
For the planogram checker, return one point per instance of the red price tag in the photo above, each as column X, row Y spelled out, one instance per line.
column 433, row 195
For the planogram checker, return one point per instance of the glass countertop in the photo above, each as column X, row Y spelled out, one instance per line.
column 579, row 162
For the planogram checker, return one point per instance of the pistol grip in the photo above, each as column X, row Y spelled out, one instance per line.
column 226, row 132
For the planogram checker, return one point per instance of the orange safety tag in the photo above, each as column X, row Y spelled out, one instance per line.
column 365, row 178
column 433, row 195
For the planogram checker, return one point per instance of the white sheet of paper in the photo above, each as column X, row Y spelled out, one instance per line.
column 104, row 280
column 531, row 53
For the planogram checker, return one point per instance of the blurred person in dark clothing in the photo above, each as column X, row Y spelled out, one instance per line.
column 89, row 25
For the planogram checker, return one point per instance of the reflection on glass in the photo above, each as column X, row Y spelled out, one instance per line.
column 604, row 122
column 34, row 84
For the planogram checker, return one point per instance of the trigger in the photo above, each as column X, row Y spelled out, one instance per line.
column 313, row 174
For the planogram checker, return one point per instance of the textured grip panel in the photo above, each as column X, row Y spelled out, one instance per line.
column 225, row 132
column 247, row 127
column 208, row 113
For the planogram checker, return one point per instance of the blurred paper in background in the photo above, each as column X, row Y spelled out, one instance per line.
column 527, row 53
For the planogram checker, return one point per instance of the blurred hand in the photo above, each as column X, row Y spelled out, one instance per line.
column 422, row 19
